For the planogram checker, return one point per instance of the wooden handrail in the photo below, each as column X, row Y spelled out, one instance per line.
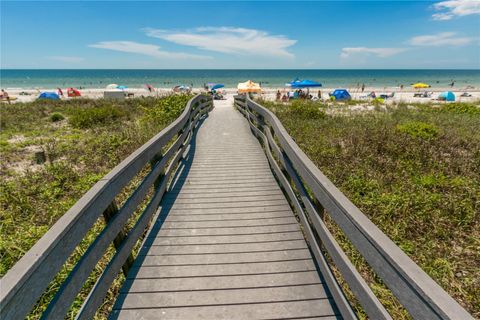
column 28, row 279
column 421, row 296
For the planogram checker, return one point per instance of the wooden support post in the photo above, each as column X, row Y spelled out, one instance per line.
column 108, row 214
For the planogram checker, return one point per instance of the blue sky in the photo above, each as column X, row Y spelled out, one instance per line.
column 240, row 34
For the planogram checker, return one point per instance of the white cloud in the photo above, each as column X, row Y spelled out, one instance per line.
column 364, row 51
column 66, row 59
column 230, row 40
column 451, row 8
column 442, row 16
column 145, row 49
column 440, row 39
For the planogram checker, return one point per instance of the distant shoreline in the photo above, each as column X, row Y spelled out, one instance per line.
column 405, row 95
column 269, row 78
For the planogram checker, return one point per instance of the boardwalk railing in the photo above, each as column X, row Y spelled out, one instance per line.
column 312, row 195
column 29, row 278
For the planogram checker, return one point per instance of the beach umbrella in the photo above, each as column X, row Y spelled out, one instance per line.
column 181, row 88
column 421, row 85
column 217, row 86
column 249, row 86
column 340, row 94
column 447, row 96
column 72, row 92
column 304, row 84
column 112, row 86
column 49, row 96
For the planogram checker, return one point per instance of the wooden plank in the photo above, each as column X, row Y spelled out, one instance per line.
column 226, row 248
column 228, row 282
column 221, row 297
column 231, row 210
column 163, row 272
column 225, row 194
column 187, row 188
column 225, row 199
column 255, row 238
column 232, row 224
column 226, row 205
column 283, row 310
column 229, row 217
column 229, row 231
column 224, row 258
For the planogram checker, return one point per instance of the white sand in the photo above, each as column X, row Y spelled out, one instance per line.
column 405, row 95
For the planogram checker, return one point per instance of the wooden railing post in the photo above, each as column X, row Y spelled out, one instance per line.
column 108, row 214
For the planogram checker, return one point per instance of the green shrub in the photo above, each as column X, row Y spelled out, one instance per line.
column 91, row 117
column 306, row 110
column 461, row 108
column 55, row 117
column 419, row 129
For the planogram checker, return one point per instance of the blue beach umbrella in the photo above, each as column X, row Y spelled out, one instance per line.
column 340, row 94
column 49, row 95
column 297, row 83
column 447, row 96
column 122, row 87
column 307, row 84
column 217, row 86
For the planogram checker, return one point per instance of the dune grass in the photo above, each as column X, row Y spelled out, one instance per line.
column 414, row 170
column 81, row 141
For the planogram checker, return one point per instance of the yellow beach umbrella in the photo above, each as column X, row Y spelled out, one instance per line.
column 421, row 85
column 249, row 86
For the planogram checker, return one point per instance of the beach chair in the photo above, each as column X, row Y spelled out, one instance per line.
column 387, row 96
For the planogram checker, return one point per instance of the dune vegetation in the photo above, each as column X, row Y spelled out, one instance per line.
column 52, row 152
column 414, row 170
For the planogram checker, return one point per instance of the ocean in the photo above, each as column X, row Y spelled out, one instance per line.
column 48, row 79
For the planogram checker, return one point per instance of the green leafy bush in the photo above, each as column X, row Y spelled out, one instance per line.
column 419, row 129
column 91, row 117
column 307, row 110
column 56, row 116
column 461, row 108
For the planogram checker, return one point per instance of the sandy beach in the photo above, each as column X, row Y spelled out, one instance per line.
column 401, row 95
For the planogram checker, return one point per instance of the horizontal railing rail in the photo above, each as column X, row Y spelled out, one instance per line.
column 28, row 279
column 312, row 194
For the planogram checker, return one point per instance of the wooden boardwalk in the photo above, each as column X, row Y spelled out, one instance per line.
column 225, row 244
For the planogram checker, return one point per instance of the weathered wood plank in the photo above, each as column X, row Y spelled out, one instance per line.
column 225, row 258
column 221, row 297
column 228, row 282
column 232, row 224
column 285, row 310
column 250, row 238
column 161, row 272
column 226, row 248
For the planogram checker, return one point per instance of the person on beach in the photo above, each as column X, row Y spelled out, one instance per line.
column 363, row 87
column 284, row 98
column 279, row 95
column 452, row 84
column 5, row 96
column 319, row 94
column 60, row 92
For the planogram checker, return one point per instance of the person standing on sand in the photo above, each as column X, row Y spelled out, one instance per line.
column 60, row 92
column 363, row 87
column 279, row 95
column 319, row 94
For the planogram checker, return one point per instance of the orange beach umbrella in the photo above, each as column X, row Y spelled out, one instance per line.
column 249, row 86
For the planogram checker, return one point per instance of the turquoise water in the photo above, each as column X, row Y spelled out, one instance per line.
column 29, row 79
